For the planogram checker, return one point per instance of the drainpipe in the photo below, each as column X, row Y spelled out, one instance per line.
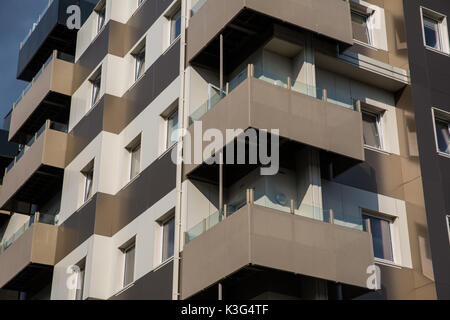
column 176, row 294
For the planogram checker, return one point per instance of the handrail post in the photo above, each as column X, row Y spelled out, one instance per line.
column 368, row 226
column 36, row 217
column 251, row 70
column 292, row 207
column 227, row 88
column 331, row 216
column 324, row 95
column 289, row 85
column 225, row 211
column 358, row 106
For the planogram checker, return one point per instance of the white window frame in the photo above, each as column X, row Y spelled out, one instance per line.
column 125, row 251
column 443, row 34
column 162, row 224
column 369, row 25
column 139, row 54
column 131, row 152
column 439, row 114
column 101, row 23
column 380, row 128
column 170, row 18
column 169, row 116
column 447, row 221
column 88, row 195
column 391, row 221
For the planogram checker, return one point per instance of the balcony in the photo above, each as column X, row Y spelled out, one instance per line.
column 46, row 97
column 48, row 33
column 8, row 151
column 300, row 240
column 303, row 114
column 244, row 24
column 36, row 173
column 28, row 257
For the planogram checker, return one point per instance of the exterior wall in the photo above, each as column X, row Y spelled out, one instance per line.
column 430, row 77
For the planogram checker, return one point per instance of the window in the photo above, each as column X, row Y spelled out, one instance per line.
column 128, row 271
column 172, row 126
column 168, row 239
column 443, row 135
column 381, row 237
column 372, row 129
column 140, row 63
column 88, row 173
column 448, row 226
column 175, row 25
column 80, row 280
column 96, row 83
column 101, row 17
column 361, row 26
column 435, row 30
column 140, row 2
column 135, row 165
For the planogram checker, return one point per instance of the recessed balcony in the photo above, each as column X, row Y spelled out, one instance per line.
column 244, row 25
column 304, row 114
column 37, row 171
column 47, row 96
column 50, row 32
column 28, row 257
column 300, row 240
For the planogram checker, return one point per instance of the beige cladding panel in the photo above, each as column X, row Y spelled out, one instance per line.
column 48, row 149
column 261, row 105
column 312, row 15
column 56, row 77
column 36, row 245
column 269, row 238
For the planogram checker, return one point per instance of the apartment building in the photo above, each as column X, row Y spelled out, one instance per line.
column 98, row 208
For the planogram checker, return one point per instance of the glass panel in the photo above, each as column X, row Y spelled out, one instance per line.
column 140, row 64
column 129, row 266
column 96, row 90
column 88, row 187
column 381, row 237
column 360, row 27
column 80, row 285
column 135, row 161
column 370, row 130
column 172, row 126
column 431, row 30
column 101, row 18
column 272, row 78
column 175, row 25
column 443, row 136
column 168, row 239
column 197, row 6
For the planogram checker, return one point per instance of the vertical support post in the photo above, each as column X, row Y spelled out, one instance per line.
column 221, row 62
column 220, row 293
column 227, row 88
column 251, row 71
column 324, row 95
column 358, row 106
column 36, row 217
column 368, row 226
column 225, row 211
column 331, row 216
column 292, row 207
column 289, row 85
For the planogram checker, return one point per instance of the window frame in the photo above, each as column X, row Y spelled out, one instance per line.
column 443, row 116
column 101, row 16
column 88, row 195
column 391, row 221
column 163, row 224
column 369, row 30
column 126, row 251
column 442, row 30
column 132, row 150
column 379, row 125
column 167, row 119
column 95, row 95
column 447, row 221
column 81, row 274
column 139, row 57
column 172, row 22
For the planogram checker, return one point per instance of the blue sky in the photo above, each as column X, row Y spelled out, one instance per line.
column 16, row 18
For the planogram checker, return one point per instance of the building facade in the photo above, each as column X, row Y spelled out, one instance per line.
column 322, row 112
